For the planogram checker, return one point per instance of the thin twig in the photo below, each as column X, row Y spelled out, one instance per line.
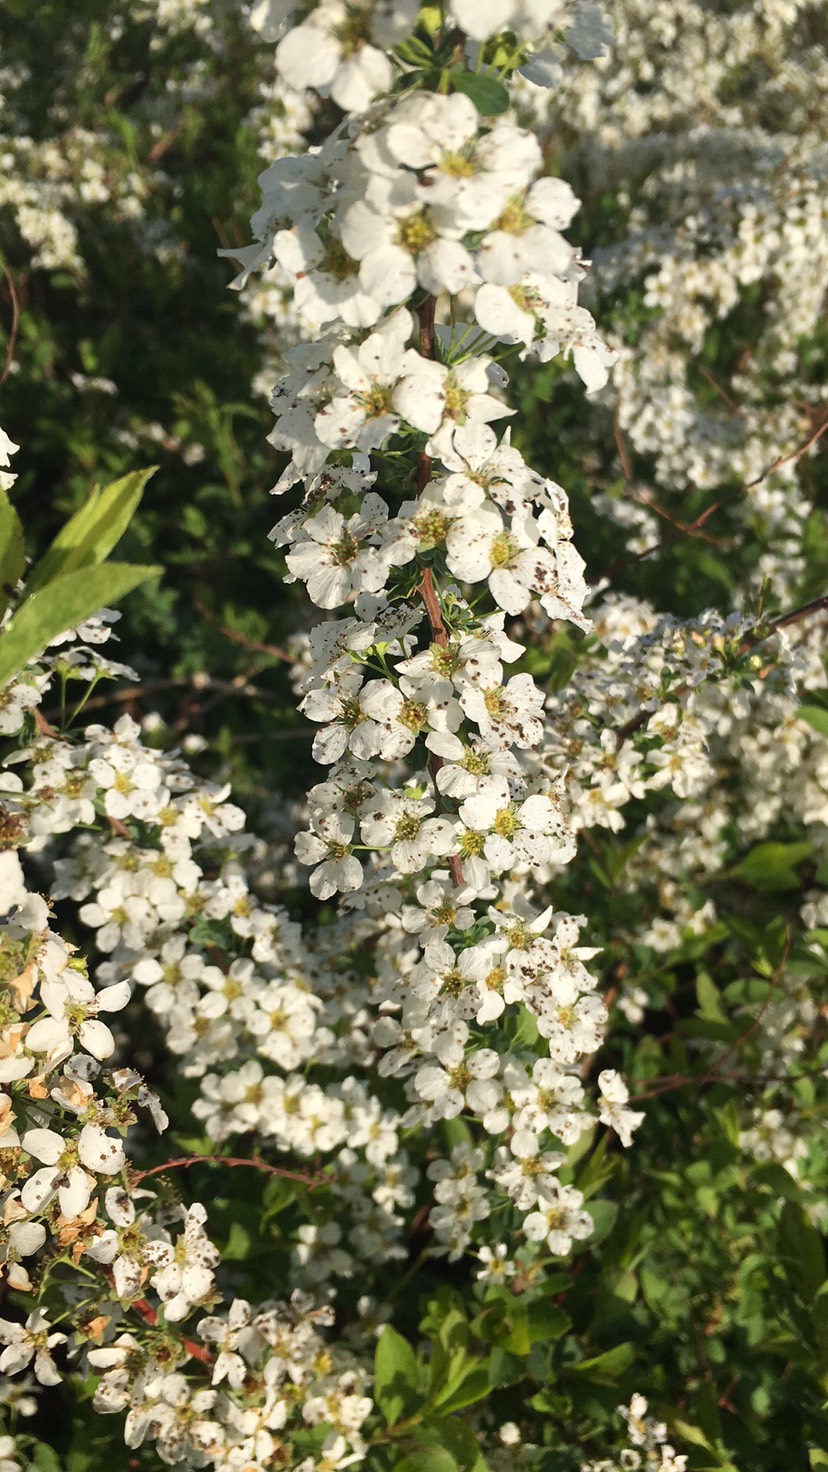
column 694, row 527
column 714, row 1074
column 254, row 1162
column 275, row 650
column 722, row 392
column 15, row 325
column 426, row 589
column 621, row 446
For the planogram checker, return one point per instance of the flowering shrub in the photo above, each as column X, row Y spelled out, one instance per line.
column 480, row 1092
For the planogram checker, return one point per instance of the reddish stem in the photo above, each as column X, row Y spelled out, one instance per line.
column 427, row 590
column 253, row 1161
column 150, row 1316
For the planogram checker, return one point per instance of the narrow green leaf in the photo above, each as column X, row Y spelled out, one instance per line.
column 93, row 531
column 605, row 1368
column 801, row 1250
column 61, row 605
column 464, row 1389
column 395, row 1376
column 12, row 555
column 489, row 96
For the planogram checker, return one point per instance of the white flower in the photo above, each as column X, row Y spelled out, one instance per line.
column 507, row 715
column 397, row 243
column 496, row 1263
column 526, row 236
column 400, row 821
column 28, row 1342
column 531, row 832
column 431, row 396
column 327, row 284
column 559, row 1219
column 73, row 1006
column 327, row 846
column 614, row 1096
column 466, row 176
column 332, row 50
column 182, row 1274
column 467, row 1084
column 365, row 416
column 332, row 560
column 237, row 1341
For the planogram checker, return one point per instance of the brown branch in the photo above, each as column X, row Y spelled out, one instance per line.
column 275, row 650
column 694, row 527
column 238, row 686
column 427, row 590
column 254, row 1162
column 713, row 1074
column 44, row 728
column 722, row 392
column 15, row 325
column 681, row 527
column 751, row 485
column 620, row 445
column 428, row 593
column 164, row 143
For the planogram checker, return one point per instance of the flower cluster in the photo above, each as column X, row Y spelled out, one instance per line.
column 647, row 1447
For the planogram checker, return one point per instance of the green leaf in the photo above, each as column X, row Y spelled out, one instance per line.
column 45, row 1459
column 427, row 1459
column 61, row 605
column 489, row 96
column 772, row 866
column 694, row 1435
column 547, row 1321
column 12, row 555
column 709, row 1000
column 463, row 1389
column 605, row 1368
column 816, row 716
column 454, row 1436
column 604, row 1214
column 92, row 532
column 395, row 1376
column 801, row 1250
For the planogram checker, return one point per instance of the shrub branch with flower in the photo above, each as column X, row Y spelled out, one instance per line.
column 407, row 1075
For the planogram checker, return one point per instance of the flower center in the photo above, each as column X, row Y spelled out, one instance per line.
column 506, row 823
column 407, row 827
column 412, row 715
column 514, row 219
column 471, row 844
column 415, row 233
column 457, row 166
column 503, row 550
column 345, row 550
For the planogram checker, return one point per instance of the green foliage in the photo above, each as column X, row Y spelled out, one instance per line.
column 72, row 580
column 489, row 96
